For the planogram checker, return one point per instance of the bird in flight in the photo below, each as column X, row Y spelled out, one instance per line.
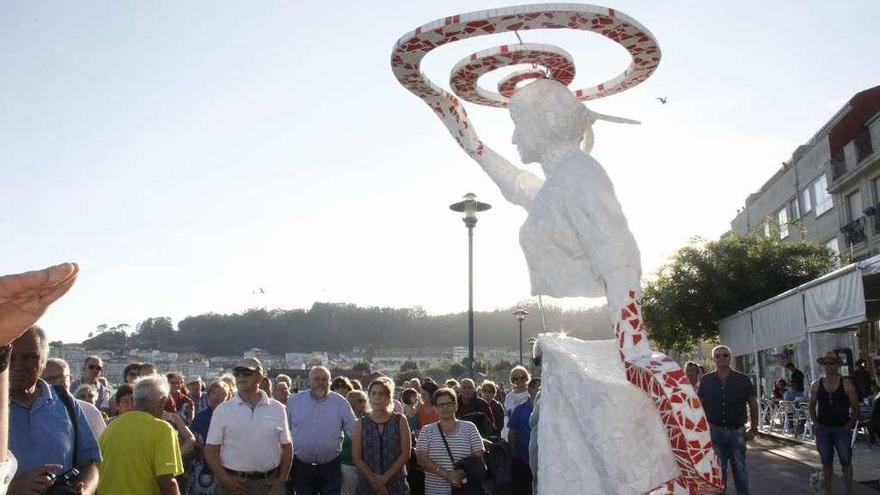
column 259, row 291
column 662, row 100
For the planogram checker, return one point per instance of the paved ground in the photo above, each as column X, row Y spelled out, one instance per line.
column 784, row 468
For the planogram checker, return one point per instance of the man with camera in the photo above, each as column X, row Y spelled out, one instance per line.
column 24, row 297
column 49, row 433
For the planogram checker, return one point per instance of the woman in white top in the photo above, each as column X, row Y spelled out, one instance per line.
column 519, row 379
column 462, row 437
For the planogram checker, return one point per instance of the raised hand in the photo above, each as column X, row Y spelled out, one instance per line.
column 24, row 297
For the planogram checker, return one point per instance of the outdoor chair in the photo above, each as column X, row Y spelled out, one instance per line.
column 778, row 420
column 803, row 415
column 789, row 417
column 765, row 407
column 863, row 422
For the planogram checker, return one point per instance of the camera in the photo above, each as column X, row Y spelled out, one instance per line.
column 64, row 483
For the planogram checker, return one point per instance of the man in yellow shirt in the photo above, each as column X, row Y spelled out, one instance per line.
column 142, row 452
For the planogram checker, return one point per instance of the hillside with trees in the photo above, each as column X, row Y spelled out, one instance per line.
column 336, row 327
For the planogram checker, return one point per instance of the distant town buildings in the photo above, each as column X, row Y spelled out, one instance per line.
column 386, row 361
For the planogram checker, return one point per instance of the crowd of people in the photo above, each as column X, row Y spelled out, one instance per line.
column 245, row 433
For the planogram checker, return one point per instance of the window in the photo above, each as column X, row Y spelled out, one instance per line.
column 807, row 204
column 820, row 192
column 832, row 245
column 782, row 218
column 854, row 207
column 795, row 211
column 875, row 190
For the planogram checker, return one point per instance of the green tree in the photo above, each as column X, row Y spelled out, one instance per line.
column 707, row 281
column 361, row 367
column 409, row 365
column 456, row 370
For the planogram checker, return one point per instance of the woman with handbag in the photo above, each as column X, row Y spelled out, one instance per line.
column 451, row 451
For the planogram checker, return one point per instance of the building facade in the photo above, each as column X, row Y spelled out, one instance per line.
column 829, row 191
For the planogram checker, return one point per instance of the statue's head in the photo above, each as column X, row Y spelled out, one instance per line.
column 547, row 117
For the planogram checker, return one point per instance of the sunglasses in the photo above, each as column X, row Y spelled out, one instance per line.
column 95, row 367
column 719, row 356
column 132, row 373
column 243, row 372
column 517, row 378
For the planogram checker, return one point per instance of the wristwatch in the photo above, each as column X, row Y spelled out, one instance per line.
column 4, row 357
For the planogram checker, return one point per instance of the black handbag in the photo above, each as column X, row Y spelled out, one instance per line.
column 474, row 468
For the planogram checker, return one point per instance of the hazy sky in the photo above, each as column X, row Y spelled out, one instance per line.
column 188, row 154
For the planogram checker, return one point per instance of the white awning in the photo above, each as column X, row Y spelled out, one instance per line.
column 830, row 302
column 780, row 322
column 835, row 303
column 736, row 333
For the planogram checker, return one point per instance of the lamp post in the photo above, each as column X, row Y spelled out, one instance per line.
column 520, row 314
column 469, row 208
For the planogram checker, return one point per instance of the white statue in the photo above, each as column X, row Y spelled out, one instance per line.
column 576, row 240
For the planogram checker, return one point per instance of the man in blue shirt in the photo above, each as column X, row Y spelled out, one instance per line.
column 42, row 435
column 519, row 435
column 317, row 418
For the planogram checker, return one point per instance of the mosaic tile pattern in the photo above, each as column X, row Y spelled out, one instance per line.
column 507, row 85
column 676, row 402
column 465, row 74
column 408, row 52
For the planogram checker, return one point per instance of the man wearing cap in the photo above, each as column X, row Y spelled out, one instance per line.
column 248, row 446
column 834, row 418
column 317, row 418
column 197, row 394
column 724, row 394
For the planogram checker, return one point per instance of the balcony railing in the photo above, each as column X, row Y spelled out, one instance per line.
column 863, row 145
column 854, row 232
column 838, row 166
column 874, row 213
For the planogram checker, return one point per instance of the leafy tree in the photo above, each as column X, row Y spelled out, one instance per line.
column 409, row 365
column 362, row 367
column 115, row 340
column 708, row 281
column 457, row 370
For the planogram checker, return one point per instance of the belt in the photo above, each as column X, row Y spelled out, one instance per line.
column 297, row 459
column 728, row 427
column 254, row 475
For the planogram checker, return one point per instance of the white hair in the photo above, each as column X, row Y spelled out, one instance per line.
column 150, row 388
column 80, row 392
column 58, row 362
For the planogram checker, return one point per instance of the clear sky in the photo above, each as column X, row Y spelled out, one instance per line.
column 188, row 154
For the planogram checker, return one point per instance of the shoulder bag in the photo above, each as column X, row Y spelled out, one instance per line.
column 474, row 468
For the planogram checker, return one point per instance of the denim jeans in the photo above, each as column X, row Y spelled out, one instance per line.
column 730, row 447
column 831, row 438
column 325, row 479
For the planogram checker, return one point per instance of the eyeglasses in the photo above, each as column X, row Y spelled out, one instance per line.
column 719, row 356
column 243, row 372
column 444, row 404
column 95, row 367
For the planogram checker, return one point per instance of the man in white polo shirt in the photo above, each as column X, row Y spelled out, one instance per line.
column 248, row 446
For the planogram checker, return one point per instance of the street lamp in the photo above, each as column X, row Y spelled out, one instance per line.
column 469, row 207
column 520, row 314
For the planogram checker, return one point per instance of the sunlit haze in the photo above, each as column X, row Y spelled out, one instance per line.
column 188, row 155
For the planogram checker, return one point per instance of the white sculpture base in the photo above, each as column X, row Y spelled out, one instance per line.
column 598, row 433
